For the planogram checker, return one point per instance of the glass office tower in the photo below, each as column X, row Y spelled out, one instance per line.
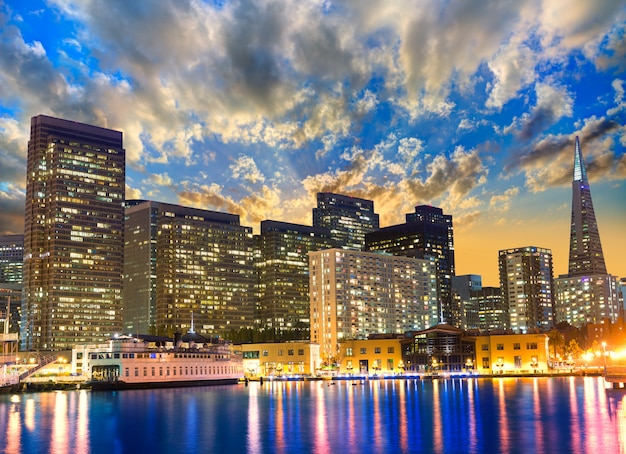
column 73, row 234
column 185, row 264
column 347, row 218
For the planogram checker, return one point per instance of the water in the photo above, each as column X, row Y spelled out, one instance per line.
column 529, row 415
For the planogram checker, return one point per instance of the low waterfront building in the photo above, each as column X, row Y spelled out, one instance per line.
column 280, row 359
column 512, row 353
column 378, row 355
column 444, row 348
column 441, row 348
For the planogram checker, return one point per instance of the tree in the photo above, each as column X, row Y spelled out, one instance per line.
column 555, row 340
column 573, row 350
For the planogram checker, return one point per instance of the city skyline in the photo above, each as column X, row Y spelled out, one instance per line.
column 252, row 108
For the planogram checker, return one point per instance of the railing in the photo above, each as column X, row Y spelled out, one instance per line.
column 43, row 362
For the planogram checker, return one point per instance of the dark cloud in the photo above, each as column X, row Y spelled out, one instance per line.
column 12, row 209
column 538, row 121
column 456, row 176
column 552, row 147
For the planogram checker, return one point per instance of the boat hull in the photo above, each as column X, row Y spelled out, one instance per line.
column 121, row 385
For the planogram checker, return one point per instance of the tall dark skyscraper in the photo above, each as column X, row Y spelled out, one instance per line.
column 587, row 294
column 427, row 233
column 73, row 235
column 347, row 218
column 585, row 249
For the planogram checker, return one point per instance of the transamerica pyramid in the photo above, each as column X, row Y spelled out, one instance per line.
column 585, row 249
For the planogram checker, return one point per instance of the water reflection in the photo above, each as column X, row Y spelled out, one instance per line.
column 472, row 429
column 576, row 416
column 441, row 416
column 537, row 412
column 437, row 423
column 503, row 419
column 13, row 441
column 403, row 423
column 321, row 441
column 60, row 429
column 254, row 424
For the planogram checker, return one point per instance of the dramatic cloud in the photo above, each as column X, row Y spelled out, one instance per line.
column 246, row 168
column 12, row 203
column 252, row 106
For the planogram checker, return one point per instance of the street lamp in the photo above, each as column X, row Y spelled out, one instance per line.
column 604, row 355
column 435, row 365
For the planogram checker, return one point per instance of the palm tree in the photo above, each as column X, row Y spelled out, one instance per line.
column 555, row 340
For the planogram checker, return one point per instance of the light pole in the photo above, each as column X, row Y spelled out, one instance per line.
column 604, row 355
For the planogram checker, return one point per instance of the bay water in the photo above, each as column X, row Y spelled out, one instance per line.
column 475, row 415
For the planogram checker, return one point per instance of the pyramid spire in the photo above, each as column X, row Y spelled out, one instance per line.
column 585, row 251
column 580, row 174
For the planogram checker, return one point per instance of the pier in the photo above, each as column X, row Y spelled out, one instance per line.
column 616, row 376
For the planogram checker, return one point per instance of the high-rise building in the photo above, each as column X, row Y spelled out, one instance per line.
column 493, row 315
column 427, row 233
column 581, row 300
column 465, row 311
column 587, row 294
column 10, row 307
column 11, row 263
column 73, row 235
column 355, row 294
column 283, row 269
column 185, row 265
column 621, row 296
column 527, row 288
column 11, row 258
column 585, row 248
column 347, row 218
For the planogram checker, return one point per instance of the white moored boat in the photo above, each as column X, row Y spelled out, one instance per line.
column 128, row 362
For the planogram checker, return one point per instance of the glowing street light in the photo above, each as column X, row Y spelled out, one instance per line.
column 604, row 354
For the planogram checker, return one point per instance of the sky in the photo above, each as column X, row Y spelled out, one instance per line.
column 252, row 107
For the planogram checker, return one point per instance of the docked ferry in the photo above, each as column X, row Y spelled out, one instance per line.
column 128, row 362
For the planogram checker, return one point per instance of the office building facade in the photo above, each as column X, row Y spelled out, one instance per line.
column 186, row 266
column 527, row 285
column 427, row 233
column 587, row 299
column 465, row 311
column 283, row 273
column 493, row 315
column 11, row 258
column 73, row 235
column 355, row 294
column 347, row 218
